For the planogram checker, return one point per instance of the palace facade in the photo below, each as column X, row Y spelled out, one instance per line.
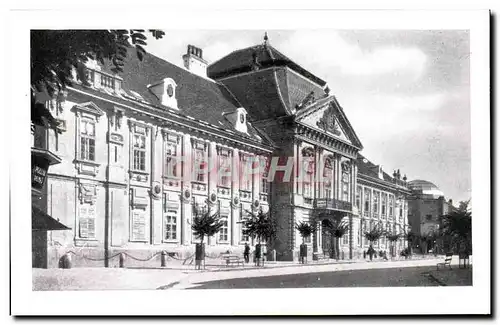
column 137, row 150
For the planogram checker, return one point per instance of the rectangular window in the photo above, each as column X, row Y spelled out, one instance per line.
column 171, row 159
column 376, row 195
column 345, row 186
column 87, row 140
column 224, row 168
column 86, row 226
column 308, row 177
column 223, row 232
column 171, row 225
column 391, row 206
column 200, row 162
column 264, row 165
column 245, row 175
column 367, row 201
column 139, row 152
column 328, row 176
column 384, row 204
column 307, row 239
column 358, row 196
column 345, row 238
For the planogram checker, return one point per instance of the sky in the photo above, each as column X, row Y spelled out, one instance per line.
column 405, row 92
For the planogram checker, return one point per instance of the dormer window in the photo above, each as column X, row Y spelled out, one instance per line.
column 238, row 119
column 165, row 90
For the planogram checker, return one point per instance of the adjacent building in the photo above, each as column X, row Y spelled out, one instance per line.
column 426, row 206
column 138, row 150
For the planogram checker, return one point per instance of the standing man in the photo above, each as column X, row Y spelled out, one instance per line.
column 246, row 253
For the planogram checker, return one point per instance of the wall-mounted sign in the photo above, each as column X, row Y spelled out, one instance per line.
column 39, row 167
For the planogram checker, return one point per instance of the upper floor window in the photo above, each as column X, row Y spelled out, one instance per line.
column 367, row 200
column 327, row 178
column 346, row 169
column 171, row 159
column 308, row 171
column 200, row 162
column 391, row 206
column 245, row 174
column 384, row 204
column 358, row 196
column 224, row 168
column 264, row 171
column 376, row 196
column 87, row 140
column 139, row 152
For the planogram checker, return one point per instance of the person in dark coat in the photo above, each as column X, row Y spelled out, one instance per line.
column 246, row 253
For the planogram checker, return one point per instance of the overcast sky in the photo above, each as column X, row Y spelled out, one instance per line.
column 406, row 93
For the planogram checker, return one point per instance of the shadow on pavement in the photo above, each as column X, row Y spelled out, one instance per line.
column 390, row 277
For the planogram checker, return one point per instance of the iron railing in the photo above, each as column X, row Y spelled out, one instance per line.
column 333, row 204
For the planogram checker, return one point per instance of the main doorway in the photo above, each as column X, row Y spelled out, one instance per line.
column 326, row 241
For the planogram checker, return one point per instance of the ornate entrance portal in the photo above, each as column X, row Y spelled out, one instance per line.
column 326, row 240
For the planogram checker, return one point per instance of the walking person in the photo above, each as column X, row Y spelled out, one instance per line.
column 246, row 253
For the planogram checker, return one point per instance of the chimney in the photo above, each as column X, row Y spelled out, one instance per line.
column 193, row 61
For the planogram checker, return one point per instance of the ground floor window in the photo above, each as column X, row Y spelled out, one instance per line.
column 170, row 225
column 223, row 232
column 345, row 238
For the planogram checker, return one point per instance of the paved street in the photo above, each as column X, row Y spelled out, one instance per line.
column 279, row 275
column 394, row 277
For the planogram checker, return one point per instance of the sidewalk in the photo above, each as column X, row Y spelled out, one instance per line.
column 165, row 278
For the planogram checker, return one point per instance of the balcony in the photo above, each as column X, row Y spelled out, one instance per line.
column 333, row 204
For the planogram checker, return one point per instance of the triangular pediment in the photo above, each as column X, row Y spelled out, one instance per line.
column 90, row 108
column 329, row 118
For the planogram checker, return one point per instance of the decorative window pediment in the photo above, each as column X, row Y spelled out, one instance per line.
column 89, row 108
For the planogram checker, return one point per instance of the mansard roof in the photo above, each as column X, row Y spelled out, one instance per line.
column 370, row 170
column 266, row 82
column 200, row 98
column 265, row 55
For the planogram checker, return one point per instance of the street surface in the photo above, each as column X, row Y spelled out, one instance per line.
column 390, row 277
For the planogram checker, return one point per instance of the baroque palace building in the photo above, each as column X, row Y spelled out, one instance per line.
column 139, row 149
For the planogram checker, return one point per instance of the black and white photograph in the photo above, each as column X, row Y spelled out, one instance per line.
column 262, row 168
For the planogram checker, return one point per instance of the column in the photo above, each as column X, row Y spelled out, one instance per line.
column 235, row 186
column 187, row 210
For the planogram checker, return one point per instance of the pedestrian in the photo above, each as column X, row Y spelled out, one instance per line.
column 246, row 253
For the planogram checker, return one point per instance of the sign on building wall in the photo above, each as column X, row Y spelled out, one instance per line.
column 138, row 226
column 87, row 221
column 39, row 168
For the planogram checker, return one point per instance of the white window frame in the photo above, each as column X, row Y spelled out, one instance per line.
column 173, row 215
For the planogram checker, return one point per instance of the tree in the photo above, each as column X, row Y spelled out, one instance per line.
column 393, row 238
column 337, row 228
column 457, row 225
column 373, row 235
column 56, row 53
column 410, row 237
column 305, row 229
column 205, row 223
column 259, row 225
